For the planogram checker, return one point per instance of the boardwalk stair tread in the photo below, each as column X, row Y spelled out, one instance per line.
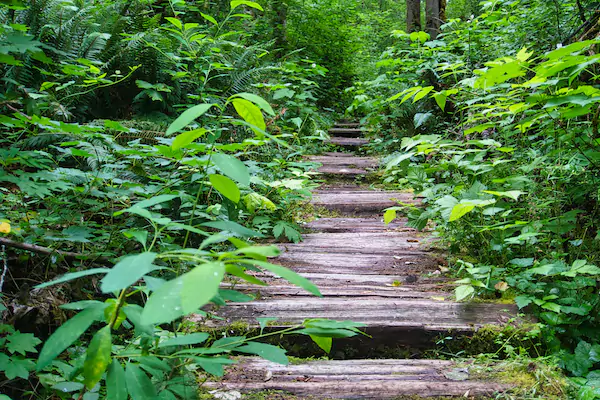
column 358, row 379
column 387, row 276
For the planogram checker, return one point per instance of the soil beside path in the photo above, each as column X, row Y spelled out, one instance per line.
column 385, row 276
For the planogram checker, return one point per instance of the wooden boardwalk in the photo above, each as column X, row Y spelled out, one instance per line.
column 385, row 276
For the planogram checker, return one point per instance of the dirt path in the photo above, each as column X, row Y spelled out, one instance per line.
column 386, row 277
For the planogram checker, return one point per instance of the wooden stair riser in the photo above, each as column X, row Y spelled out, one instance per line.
column 346, row 132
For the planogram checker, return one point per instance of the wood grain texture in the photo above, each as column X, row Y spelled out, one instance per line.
column 356, row 379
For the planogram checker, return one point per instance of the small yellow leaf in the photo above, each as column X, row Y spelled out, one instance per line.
column 438, row 298
column 4, row 227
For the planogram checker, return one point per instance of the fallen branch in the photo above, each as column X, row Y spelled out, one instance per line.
column 49, row 251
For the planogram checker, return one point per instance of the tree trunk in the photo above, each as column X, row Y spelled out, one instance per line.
column 413, row 15
column 433, row 19
column 279, row 23
column 443, row 11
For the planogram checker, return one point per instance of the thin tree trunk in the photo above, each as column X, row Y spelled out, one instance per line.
column 279, row 21
column 443, row 4
column 432, row 18
column 413, row 15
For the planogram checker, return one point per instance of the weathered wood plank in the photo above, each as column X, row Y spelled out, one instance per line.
column 347, row 125
column 357, row 224
column 375, row 312
column 360, row 201
column 421, row 291
column 348, row 142
column 339, row 160
column 356, row 379
column 387, row 243
column 346, row 132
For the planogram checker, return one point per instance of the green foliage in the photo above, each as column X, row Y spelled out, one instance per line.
column 494, row 124
column 151, row 213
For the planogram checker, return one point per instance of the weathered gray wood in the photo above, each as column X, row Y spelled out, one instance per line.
column 343, row 160
column 338, row 164
column 342, row 172
column 348, row 142
column 347, row 125
column 384, row 276
column 375, row 312
column 387, row 243
column 355, row 379
column 346, row 132
column 357, row 225
column 360, row 201
column 364, row 263
column 420, row 291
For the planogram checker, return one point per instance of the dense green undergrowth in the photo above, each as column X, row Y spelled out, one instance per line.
column 147, row 146
column 495, row 124
column 145, row 149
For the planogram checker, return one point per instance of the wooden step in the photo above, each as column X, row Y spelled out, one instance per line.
column 357, row 379
column 384, row 318
column 348, row 143
column 344, row 159
column 356, row 225
column 345, row 167
column 347, row 125
column 346, row 132
column 404, row 299
column 359, row 201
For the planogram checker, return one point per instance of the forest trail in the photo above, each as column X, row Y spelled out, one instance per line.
column 387, row 277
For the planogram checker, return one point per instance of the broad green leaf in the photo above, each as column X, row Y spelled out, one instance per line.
column 286, row 274
column 98, row 356
column 239, row 272
column 213, row 365
column 185, row 340
column 324, row 343
column 233, row 227
column 128, row 271
column 255, row 201
column 259, row 101
column 237, row 3
column 140, row 387
column 440, row 99
column 148, row 203
column 266, row 351
column 187, row 117
column 184, row 294
column 68, row 387
column 422, row 93
column 21, row 343
column 421, row 118
column 184, row 139
column 460, row 210
column 209, row 18
column 329, row 332
column 265, row 251
column 175, row 22
column 463, row 291
column 285, row 92
column 226, row 187
column 116, row 383
column 522, row 301
column 389, row 216
column 140, row 235
column 249, row 112
column 232, row 167
column 74, row 275
column 67, row 334
column 512, row 194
